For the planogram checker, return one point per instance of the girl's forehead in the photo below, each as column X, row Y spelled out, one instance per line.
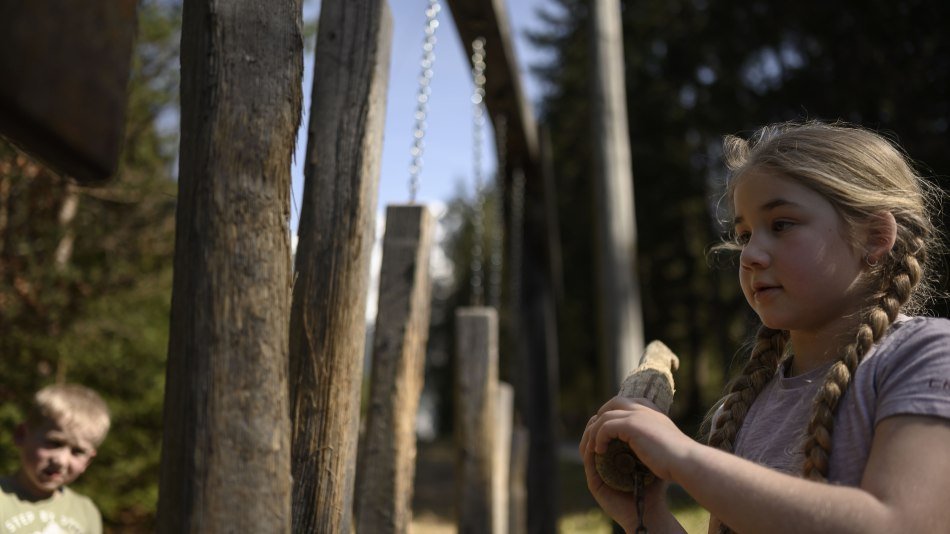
column 762, row 191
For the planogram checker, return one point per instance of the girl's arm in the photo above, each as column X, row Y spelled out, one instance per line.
column 905, row 485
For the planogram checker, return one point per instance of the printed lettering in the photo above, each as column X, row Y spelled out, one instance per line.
column 936, row 383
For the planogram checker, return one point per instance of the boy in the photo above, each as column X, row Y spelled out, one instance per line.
column 64, row 426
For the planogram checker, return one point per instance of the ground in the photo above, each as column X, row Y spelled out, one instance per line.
column 434, row 507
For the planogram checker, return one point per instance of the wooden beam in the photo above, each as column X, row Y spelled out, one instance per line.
column 503, row 91
column 476, row 386
column 619, row 288
column 337, row 229
column 387, row 453
column 226, row 441
column 65, row 72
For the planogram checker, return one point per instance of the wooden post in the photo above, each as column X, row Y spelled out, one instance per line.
column 517, row 473
column 384, row 483
column 503, row 423
column 476, row 383
column 226, row 441
column 327, row 327
column 619, row 289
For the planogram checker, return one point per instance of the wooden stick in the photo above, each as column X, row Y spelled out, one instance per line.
column 651, row 380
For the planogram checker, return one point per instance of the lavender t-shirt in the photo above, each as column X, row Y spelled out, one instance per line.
column 906, row 373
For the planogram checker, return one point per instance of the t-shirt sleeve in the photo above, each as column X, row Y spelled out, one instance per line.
column 916, row 377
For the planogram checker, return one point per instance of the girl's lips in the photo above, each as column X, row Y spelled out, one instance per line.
column 766, row 292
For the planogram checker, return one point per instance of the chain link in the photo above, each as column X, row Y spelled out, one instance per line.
column 478, row 127
column 498, row 226
column 638, row 494
column 422, row 98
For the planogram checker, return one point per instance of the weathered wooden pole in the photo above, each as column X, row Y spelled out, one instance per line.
column 226, row 442
column 387, row 453
column 504, row 418
column 619, row 289
column 327, row 327
column 476, row 386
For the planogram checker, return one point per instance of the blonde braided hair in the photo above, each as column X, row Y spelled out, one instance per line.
column 862, row 175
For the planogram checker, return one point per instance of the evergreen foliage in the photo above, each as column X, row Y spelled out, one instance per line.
column 85, row 294
column 695, row 71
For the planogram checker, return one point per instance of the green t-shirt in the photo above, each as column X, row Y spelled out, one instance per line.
column 66, row 512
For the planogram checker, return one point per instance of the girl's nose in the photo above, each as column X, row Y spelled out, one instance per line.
column 754, row 255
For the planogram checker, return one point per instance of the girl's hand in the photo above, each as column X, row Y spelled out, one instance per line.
column 619, row 505
column 651, row 435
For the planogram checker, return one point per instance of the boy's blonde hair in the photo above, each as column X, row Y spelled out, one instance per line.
column 862, row 175
column 71, row 406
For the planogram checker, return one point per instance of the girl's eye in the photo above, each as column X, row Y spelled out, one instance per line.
column 742, row 238
column 779, row 226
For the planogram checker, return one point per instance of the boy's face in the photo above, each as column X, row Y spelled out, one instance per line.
column 50, row 457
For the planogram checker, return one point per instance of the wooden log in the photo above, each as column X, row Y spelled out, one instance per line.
column 387, row 453
column 337, row 218
column 504, row 419
column 476, row 383
column 226, row 441
column 619, row 289
column 65, row 68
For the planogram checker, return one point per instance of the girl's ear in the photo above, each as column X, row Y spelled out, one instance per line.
column 881, row 236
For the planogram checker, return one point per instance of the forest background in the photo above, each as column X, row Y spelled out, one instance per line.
column 85, row 273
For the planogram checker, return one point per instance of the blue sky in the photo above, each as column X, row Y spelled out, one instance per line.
column 447, row 160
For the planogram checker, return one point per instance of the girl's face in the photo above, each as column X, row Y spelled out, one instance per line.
column 797, row 268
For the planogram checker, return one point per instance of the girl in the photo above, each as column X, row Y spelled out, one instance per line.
column 840, row 420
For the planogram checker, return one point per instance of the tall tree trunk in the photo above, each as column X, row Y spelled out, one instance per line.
column 337, row 228
column 226, row 446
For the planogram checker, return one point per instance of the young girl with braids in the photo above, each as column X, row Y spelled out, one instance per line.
column 840, row 419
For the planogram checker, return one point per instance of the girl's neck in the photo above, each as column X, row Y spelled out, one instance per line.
column 813, row 349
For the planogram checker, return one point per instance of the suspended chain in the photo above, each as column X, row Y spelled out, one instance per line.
column 422, row 98
column 478, row 127
column 638, row 494
column 498, row 214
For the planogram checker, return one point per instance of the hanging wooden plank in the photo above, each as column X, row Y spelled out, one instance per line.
column 517, row 473
column 337, row 228
column 504, row 419
column 65, row 67
column 619, row 288
column 226, row 441
column 387, row 453
column 476, row 386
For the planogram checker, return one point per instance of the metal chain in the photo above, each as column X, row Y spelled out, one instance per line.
column 478, row 127
column 498, row 228
column 638, row 492
column 422, row 98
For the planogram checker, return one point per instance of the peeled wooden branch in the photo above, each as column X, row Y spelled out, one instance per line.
column 651, row 380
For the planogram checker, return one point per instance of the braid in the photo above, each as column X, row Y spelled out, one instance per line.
column 903, row 277
column 742, row 391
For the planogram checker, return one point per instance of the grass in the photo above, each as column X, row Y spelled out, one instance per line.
column 579, row 513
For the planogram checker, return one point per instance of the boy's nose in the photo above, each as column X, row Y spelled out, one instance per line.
column 59, row 457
